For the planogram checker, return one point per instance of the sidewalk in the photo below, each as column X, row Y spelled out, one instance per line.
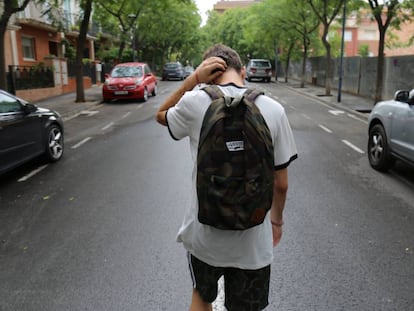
column 349, row 102
column 66, row 106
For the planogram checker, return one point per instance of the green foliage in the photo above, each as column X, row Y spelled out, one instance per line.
column 363, row 50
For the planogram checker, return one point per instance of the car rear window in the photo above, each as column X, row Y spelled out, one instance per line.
column 171, row 66
column 126, row 71
column 260, row 63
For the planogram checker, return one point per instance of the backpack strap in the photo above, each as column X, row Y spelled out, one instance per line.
column 213, row 91
column 251, row 94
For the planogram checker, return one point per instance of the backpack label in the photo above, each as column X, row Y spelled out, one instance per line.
column 235, row 145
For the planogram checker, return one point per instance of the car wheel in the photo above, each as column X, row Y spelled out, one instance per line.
column 154, row 91
column 378, row 150
column 145, row 98
column 54, row 143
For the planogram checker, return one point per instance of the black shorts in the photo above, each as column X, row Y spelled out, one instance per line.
column 244, row 290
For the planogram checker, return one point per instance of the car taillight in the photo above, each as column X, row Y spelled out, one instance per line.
column 267, row 70
column 253, row 70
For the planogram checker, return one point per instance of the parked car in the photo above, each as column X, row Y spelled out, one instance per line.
column 26, row 132
column 259, row 69
column 391, row 131
column 174, row 70
column 188, row 70
column 130, row 81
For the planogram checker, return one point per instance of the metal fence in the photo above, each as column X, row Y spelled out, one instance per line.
column 29, row 77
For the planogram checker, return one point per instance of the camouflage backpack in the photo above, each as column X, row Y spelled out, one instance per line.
column 235, row 163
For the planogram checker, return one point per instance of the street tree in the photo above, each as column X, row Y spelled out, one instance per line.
column 121, row 16
column 9, row 8
column 327, row 11
column 290, row 28
column 388, row 14
column 172, row 32
column 86, row 7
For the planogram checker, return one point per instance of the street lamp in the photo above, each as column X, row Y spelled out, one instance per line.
column 133, row 18
column 342, row 54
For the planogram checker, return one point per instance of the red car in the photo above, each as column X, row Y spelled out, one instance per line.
column 130, row 81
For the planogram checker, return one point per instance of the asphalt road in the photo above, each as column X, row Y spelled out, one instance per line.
column 96, row 231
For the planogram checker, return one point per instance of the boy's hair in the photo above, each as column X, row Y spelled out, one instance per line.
column 230, row 56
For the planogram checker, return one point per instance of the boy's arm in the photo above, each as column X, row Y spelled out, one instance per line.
column 280, row 187
column 203, row 74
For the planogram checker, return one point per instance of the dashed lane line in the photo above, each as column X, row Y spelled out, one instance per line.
column 126, row 115
column 325, row 128
column 306, row 116
column 107, row 126
column 81, row 142
column 32, row 173
column 353, row 146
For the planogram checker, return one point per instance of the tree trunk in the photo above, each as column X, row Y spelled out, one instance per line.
column 3, row 72
column 304, row 60
column 121, row 50
column 328, row 80
column 80, row 92
column 380, row 67
column 289, row 54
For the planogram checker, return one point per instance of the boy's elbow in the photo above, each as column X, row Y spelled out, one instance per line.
column 160, row 118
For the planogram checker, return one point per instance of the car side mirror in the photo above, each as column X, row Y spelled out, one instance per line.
column 401, row 96
column 107, row 75
column 29, row 108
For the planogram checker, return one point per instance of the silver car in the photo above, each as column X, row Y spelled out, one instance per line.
column 259, row 69
column 391, row 131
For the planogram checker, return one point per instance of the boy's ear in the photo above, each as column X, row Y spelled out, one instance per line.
column 243, row 72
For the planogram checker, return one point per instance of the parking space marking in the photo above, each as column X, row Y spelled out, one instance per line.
column 32, row 173
column 352, row 146
column 325, row 128
column 81, row 142
column 107, row 126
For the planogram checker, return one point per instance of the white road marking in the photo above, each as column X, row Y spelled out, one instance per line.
column 32, row 173
column 356, row 118
column 336, row 112
column 81, row 142
column 306, row 116
column 107, row 126
column 352, row 146
column 126, row 115
column 88, row 112
column 138, row 107
column 324, row 128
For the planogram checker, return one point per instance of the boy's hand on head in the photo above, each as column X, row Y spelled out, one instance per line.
column 210, row 69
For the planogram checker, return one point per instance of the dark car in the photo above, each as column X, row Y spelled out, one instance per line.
column 130, row 81
column 26, row 132
column 173, row 70
column 391, row 131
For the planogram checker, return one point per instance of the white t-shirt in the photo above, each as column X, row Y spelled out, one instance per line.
column 245, row 249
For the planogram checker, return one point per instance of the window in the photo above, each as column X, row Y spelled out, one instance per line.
column 348, row 36
column 9, row 104
column 28, row 48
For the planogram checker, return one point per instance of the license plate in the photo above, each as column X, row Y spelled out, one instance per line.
column 121, row 92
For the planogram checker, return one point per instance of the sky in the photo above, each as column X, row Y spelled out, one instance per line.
column 203, row 7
